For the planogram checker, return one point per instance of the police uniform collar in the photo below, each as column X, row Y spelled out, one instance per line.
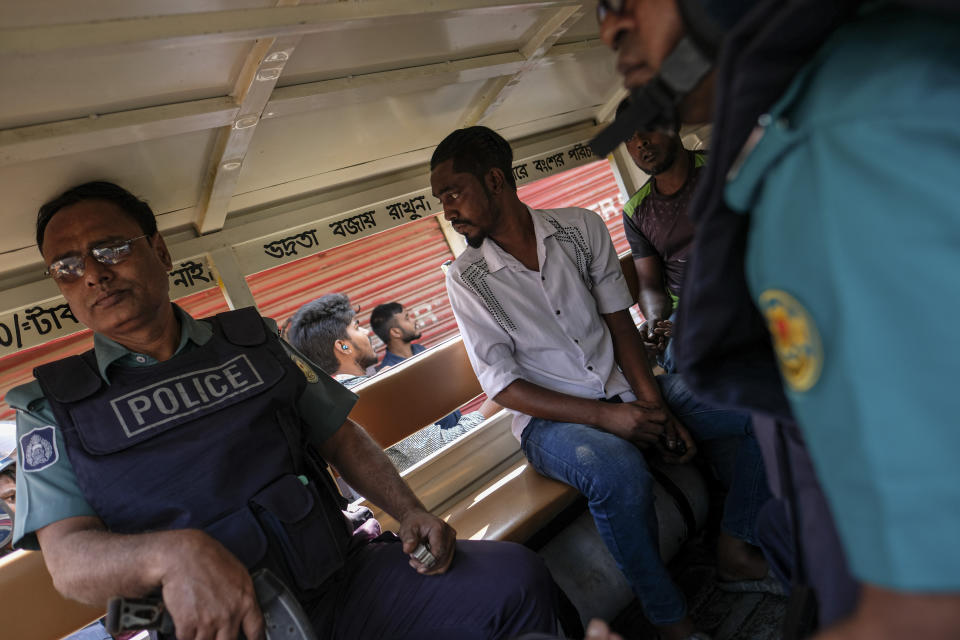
column 109, row 352
column 497, row 258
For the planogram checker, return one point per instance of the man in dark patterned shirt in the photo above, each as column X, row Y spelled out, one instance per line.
column 658, row 228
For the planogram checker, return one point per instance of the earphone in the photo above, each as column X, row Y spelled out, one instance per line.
column 345, row 347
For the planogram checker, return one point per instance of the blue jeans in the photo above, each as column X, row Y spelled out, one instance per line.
column 666, row 360
column 613, row 475
column 726, row 439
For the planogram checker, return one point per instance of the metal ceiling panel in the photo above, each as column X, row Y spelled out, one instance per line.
column 296, row 146
column 558, row 86
column 54, row 86
column 45, row 12
column 386, row 45
column 166, row 172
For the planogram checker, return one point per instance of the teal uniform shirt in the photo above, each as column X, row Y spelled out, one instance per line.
column 854, row 259
column 52, row 493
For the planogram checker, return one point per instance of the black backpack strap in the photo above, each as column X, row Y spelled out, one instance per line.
column 70, row 379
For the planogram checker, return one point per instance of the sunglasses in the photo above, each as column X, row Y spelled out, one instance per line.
column 72, row 268
column 607, row 7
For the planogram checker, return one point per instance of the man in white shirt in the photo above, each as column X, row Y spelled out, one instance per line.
column 544, row 313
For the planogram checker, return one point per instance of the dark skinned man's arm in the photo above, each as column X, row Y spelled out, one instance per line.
column 207, row 591
column 630, row 355
column 654, row 301
column 365, row 466
column 639, row 424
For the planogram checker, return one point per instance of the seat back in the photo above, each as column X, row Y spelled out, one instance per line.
column 37, row 611
column 416, row 392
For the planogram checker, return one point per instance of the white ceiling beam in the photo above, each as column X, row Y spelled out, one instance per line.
column 496, row 92
column 491, row 94
column 605, row 111
column 252, row 89
column 372, row 86
column 573, row 49
column 551, row 29
column 35, row 142
column 240, row 24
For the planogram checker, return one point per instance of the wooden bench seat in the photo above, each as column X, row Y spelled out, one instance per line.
column 32, row 608
column 511, row 505
column 508, row 503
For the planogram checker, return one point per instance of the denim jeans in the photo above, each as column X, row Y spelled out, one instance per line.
column 613, row 475
column 726, row 439
column 666, row 359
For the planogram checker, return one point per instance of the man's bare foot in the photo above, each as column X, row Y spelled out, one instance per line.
column 739, row 560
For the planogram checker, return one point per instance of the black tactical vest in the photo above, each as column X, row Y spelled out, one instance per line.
column 210, row 439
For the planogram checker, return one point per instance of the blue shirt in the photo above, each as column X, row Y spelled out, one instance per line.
column 854, row 258
column 390, row 359
column 52, row 493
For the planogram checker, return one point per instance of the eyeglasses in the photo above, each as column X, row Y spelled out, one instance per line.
column 605, row 7
column 72, row 268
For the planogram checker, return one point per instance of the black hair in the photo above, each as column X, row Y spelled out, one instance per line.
column 382, row 319
column 133, row 206
column 476, row 150
column 317, row 325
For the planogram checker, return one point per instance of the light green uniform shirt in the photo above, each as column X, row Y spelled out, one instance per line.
column 52, row 493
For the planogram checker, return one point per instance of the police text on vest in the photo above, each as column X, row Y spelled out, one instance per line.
column 184, row 394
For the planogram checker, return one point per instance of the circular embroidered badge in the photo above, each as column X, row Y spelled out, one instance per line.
column 307, row 370
column 795, row 339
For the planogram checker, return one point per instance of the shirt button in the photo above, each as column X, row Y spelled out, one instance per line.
column 141, row 359
column 589, row 367
column 577, row 341
column 543, row 278
column 558, row 311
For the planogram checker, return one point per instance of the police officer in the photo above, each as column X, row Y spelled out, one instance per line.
column 179, row 454
column 829, row 200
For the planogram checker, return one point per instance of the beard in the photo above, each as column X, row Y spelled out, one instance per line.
column 367, row 360
column 493, row 210
column 475, row 240
column 669, row 158
column 412, row 335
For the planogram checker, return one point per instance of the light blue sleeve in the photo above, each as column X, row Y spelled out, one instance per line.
column 855, row 215
column 882, row 423
column 47, row 488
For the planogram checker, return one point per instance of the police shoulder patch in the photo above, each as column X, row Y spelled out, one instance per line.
column 38, row 449
column 796, row 340
column 307, row 370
